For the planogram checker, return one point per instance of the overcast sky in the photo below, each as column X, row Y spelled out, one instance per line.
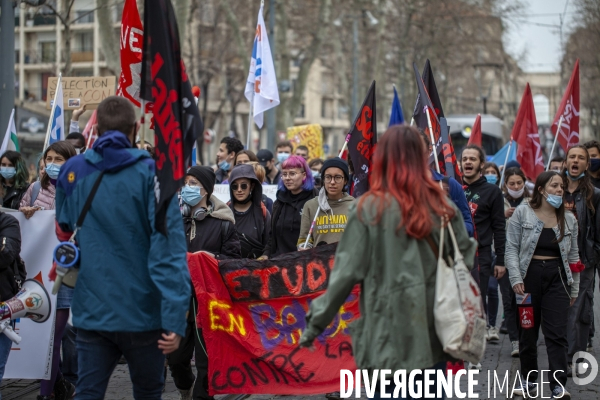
column 536, row 34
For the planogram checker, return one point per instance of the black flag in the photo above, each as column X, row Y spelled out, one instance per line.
column 177, row 121
column 362, row 142
column 432, row 89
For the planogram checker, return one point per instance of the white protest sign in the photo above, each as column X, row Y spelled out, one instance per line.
column 221, row 192
column 32, row 358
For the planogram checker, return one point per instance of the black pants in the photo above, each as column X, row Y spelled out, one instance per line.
column 180, row 361
column 550, row 303
column 508, row 304
column 580, row 315
column 482, row 272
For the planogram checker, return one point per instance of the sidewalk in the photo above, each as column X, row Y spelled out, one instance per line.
column 497, row 358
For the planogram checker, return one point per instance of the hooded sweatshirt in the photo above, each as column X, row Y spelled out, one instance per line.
column 253, row 226
column 331, row 222
column 286, row 221
column 132, row 278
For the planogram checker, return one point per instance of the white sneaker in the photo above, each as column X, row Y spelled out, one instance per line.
column 515, row 349
column 560, row 393
column 186, row 394
column 474, row 366
column 526, row 389
column 492, row 334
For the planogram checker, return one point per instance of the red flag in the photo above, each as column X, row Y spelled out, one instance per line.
column 88, row 132
column 569, row 111
column 132, row 39
column 475, row 137
column 525, row 133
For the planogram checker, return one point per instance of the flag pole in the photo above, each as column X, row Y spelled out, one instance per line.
column 505, row 161
column 312, row 225
column 560, row 120
column 47, row 140
column 249, row 134
column 143, row 132
column 433, row 144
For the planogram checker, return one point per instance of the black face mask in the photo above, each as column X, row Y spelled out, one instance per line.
column 245, row 201
column 268, row 170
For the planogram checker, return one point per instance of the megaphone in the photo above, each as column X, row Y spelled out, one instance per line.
column 31, row 302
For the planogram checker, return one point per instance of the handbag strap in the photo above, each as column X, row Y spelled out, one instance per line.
column 439, row 251
column 88, row 204
column 457, row 254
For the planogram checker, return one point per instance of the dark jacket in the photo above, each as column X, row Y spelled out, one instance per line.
column 487, row 206
column 457, row 194
column 250, row 247
column 12, row 196
column 275, row 180
column 286, row 221
column 221, row 176
column 9, row 253
column 215, row 233
column 588, row 240
column 125, row 260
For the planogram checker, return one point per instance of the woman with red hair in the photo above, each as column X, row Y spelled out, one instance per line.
column 385, row 248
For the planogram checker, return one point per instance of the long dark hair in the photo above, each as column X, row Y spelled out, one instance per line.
column 400, row 170
column 21, row 178
column 512, row 171
column 65, row 149
column 538, row 197
column 586, row 183
column 495, row 167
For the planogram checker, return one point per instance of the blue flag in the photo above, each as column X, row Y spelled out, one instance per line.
column 396, row 116
column 500, row 156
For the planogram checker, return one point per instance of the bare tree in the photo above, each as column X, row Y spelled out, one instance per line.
column 109, row 38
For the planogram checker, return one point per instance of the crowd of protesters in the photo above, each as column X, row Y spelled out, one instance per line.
column 536, row 239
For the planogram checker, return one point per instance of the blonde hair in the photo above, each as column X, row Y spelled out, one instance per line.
column 259, row 171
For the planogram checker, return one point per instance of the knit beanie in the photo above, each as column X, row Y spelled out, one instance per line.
column 335, row 162
column 205, row 175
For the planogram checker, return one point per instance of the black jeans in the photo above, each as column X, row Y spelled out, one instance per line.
column 68, row 366
column 510, row 311
column 580, row 315
column 179, row 361
column 482, row 272
column 546, row 281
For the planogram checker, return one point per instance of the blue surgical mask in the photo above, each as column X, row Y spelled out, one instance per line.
column 554, row 200
column 491, row 178
column 52, row 170
column 281, row 157
column 576, row 178
column 595, row 164
column 191, row 195
column 8, row 172
column 225, row 165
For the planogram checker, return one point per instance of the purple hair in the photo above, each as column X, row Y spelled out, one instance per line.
column 297, row 162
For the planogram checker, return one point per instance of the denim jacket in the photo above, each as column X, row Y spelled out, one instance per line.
column 524, row 229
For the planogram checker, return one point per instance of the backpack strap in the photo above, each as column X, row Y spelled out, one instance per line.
column 35, row 191
column 224, row 229
column 264, row 209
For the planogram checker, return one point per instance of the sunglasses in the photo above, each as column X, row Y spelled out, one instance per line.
column 244, row 186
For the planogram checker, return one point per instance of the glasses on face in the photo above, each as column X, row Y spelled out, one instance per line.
column 244, row 186
column 336, row 178
column 290, row 175
column 193, row 182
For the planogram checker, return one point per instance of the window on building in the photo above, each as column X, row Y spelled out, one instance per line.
column 300, row 112
column 48, row 51
column 327, row 108
column 84, row 17
column 84, row 42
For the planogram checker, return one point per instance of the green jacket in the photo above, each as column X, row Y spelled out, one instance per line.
column 397, row 275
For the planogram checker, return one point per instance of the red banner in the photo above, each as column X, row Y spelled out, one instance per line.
column 132, row 38
column 525, row 133
column 569, row 111
column 252, row 314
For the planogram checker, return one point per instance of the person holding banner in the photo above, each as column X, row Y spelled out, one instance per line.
column 332, row 205
column 295, row 189
column 252, row 219
column 9, row 255
column 209, row 228
column 385, row 248
column 14, row 178
column 54, row 157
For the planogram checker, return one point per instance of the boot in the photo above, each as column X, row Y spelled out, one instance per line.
column 63, row 390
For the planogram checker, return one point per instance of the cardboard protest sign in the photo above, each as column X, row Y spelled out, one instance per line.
column 252, row 314
column 310, row 136
column 81, row 90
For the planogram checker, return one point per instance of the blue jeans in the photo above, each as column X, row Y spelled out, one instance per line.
column 5, row 345
column 68, row 366
column 432, row 388
column 493, row 301
column 98, row 354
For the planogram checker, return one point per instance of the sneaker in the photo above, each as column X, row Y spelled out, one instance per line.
column 63, row 389
column 561, row 393
column 186, row 394
column 515, row 349
column 527, row 389
column 474, row 366
column 590, row 346
column 492, row 334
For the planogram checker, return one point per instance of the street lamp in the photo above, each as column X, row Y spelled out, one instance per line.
column 7, row 60
column 372, row 21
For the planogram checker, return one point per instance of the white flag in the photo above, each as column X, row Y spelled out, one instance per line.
column 56, row 125
column 10, row 141
column 262, row 83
